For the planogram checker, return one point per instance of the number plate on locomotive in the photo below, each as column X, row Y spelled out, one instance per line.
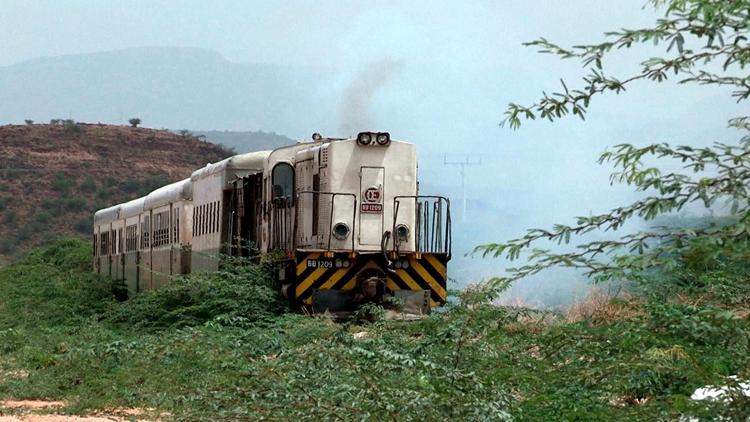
column 372, row 208
column 319, row 263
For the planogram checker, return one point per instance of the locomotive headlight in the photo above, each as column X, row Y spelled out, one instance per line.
column 402, row 232
column 340, row 231
column 364, row 138
column 383, row 139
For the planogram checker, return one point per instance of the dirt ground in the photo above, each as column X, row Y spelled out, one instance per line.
column 44, row 411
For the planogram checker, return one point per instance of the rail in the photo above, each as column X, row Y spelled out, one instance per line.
column 333, row 196
column 432, row 231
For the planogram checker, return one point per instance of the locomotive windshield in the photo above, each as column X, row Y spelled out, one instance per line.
column 283, row 181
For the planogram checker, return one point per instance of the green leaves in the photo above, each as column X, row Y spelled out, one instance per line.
column 699, row 35
column 723, row 25
column 718, row 173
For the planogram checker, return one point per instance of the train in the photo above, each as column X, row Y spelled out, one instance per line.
column 341, row 219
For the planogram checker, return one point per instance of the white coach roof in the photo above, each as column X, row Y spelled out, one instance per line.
column 237, row 166
column 179, row 191
column 106, row 215
column 132, row 208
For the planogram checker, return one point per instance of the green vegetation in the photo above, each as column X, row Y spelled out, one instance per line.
column 62, row 184
column 9, row 217
column 88, row 185
column 70, row 126
column 706, row 44
column 83, row 225
column 134, row 122
column 223, row 346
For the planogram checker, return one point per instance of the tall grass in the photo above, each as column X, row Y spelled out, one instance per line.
column 222, row 346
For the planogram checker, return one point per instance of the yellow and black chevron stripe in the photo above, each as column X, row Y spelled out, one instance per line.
column 314, row 270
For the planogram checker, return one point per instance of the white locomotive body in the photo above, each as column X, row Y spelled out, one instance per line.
column 342, row 217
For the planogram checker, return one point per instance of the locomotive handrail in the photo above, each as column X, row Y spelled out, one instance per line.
column 426, row 238
column 330, row 223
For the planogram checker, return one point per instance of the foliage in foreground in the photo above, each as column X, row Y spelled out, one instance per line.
column 472, row 361
column 707, row 44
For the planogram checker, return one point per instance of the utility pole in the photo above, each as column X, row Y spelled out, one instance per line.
column 463, row 165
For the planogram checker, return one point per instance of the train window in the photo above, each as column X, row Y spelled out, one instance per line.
column 147, row 233
column 161, row 229
column 216, row 217
column 282, row 179
column 176, row 226
column 130, row 238
column 198, row 222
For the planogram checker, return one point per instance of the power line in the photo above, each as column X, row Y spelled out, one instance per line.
column 463, row 164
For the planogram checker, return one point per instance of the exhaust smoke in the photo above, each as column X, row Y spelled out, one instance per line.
column 355, row 109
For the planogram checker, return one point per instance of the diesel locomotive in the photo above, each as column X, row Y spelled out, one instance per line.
column 342, row 219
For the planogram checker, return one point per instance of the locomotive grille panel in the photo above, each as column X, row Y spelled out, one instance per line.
column 425, row 273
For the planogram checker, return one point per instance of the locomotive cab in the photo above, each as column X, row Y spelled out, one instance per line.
column 348, row 215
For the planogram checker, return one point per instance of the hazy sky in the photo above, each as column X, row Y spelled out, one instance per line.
column 305, row 32
column 458, row 64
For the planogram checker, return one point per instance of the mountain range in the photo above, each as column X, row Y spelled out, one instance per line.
column 175, row 88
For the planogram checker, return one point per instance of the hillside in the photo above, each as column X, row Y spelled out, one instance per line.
column 53, row 176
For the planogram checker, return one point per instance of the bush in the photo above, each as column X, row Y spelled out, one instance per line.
column 10, row 217
column 7, row 245
column 76, row 204
column 226, row 151
column 84, row 225
column 88, row 185
column 29, row 122
column 53, row 205
column 24, row 233
column 61, row 184
column 41, row 217
column 134, row 122
column 151, row 183
column 104, row 194
column 70, row 126
column 52, row 286
column 241, row 293
column 130, row 186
